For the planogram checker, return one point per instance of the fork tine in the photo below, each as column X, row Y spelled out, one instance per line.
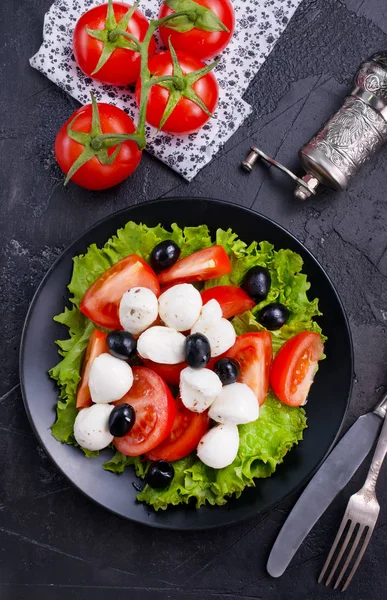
column 359, row 557
column 333, row 549
column 350, row 555
column 342, row 550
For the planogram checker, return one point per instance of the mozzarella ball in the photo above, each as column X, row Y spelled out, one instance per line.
column 199, row 388
column 219, row 446
column 110, row 379
column 211, row 312
column 180, row 306
column 221, row 334
column 236, row 404
column 138, row 310
column 162, row 345
column 91, row 429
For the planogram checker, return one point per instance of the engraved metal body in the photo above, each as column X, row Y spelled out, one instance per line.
column 350, row 137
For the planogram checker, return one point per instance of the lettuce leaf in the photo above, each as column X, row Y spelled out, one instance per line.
column 67, row 372
column 264, row 443
column 119, row 462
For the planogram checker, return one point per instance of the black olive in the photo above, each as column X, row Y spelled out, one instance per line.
column 197, row 350
column 273, row 316
column 160, row 474
column 228, row 370
column 257, row 283
column 164, row 255
column 121, row 420
column 121, row 344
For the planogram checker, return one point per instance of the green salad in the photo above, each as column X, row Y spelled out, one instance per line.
column 262, row 443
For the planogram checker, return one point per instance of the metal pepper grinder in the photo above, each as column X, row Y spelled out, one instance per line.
column 348, row 140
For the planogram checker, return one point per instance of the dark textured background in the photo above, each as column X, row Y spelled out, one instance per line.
column 50, row 535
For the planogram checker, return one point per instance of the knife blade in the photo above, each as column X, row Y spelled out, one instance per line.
column 329, row 480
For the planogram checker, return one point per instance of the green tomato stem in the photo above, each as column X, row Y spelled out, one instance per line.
column 114, row 35
column 146, row 80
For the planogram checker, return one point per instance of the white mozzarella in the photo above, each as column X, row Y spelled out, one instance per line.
column 219, row 446
column 199, row 388
column 180, row 306
column 162, row 345
column 236, row 404
column 110, row 379
column 211, row 312
column 221, row 334
column 138, row 310
column 91, row 429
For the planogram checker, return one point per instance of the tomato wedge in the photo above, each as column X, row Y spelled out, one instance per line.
column 254, row 352
column 187, row 431
column 199, row 266
column 96, row 346
column 295, row 366
column 102, row 299
column 232, row 299
column 155, row 410
column 170, row 373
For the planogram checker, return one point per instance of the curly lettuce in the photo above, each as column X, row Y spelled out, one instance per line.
column 264, row 443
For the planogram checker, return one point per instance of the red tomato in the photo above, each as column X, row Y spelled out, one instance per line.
column 170, row 373
column 93, row 175
column 187, row 430
column 203, row 44
column 123, row 66
column 294, row 367
column 96, row 346
column 155, row 410
column 199, row 266
column 187, row 116
column 102, row 299
column 232, row 299
column 254, row 353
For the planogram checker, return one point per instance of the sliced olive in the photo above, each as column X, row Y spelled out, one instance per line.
column 160, row 474
column 273, row 316
column 164, row 255
column 257, row 283
column 197, row 350
column 121, row 344
column 121, row 420
column 228, row 370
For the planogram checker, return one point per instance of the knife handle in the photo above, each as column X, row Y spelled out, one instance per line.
column 377, row 459
column 381, row 408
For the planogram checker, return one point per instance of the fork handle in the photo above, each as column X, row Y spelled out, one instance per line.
column 377, row 459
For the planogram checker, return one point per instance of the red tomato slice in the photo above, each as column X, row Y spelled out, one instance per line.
column 96, row 346
column 155, row 410
column 187, row 431
column 170, row 373
column 102, row 299
column 199, row 266
column 254, row 352
column 232, row 299
column 294, row 367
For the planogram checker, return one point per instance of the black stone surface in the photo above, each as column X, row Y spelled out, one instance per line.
column 53, row 542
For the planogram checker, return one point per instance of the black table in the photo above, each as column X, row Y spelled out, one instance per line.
column 54, row 542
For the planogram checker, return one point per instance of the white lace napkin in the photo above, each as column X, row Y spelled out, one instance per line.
column 259, row 23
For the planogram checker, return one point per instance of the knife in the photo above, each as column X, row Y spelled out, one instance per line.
column 329, row 480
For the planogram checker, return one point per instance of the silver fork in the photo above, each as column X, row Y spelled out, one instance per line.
column 362, row 511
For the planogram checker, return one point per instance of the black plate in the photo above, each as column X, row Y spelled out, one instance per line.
column 326, row 408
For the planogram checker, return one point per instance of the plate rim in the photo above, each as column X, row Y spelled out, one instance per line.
column 61, row 257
